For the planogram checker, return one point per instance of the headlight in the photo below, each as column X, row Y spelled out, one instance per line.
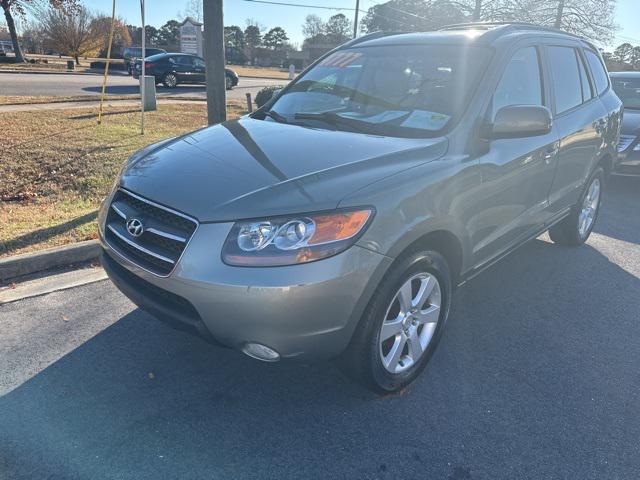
column 295, row 239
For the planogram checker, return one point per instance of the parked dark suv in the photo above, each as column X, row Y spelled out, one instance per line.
column 627, row 86
column 336, row 220
column 131, row 54
column 171, row 69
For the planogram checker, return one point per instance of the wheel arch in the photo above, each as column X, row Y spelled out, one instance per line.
column 447, row 244
column 606, row 162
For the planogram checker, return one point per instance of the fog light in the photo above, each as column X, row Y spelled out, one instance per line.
column 261, row 352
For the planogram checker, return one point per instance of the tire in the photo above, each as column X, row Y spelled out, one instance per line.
column 169, row 80
column 365, row 359
column 572, row 231
column 228, row 83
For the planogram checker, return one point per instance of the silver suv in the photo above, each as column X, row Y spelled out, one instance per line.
column 336, row 221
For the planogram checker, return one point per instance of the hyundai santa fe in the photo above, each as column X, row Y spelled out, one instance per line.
column 336, row 221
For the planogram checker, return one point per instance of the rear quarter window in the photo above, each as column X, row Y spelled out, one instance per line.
column 598, row 72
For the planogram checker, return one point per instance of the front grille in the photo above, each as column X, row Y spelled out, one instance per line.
column 162, row 236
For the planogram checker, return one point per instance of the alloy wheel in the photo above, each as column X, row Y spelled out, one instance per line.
column 410, row 322
column 170, row 81
column 589, row 208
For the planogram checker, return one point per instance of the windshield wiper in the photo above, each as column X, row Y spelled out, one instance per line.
column 276, row 116
column 332, row 118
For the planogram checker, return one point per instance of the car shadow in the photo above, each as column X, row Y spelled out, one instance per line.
column 622, row 205
column 539, row 361
column 135, row 89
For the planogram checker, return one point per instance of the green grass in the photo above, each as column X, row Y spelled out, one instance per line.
column 57, row 165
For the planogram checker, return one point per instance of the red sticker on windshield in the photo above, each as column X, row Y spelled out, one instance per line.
column 340, row 60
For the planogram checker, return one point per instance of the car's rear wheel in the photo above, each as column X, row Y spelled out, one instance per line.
column 402, row 324
column 170, row 80
column 575, row 229
column 228, row 83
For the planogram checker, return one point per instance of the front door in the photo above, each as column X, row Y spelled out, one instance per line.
column 516, row 172
column 184, row 68
column 199, row 70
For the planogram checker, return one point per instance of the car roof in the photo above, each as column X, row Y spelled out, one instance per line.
column 464, row 34
column 624, row 74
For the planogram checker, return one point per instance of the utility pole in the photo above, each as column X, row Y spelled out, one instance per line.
column 214, row 60
column 355, row 21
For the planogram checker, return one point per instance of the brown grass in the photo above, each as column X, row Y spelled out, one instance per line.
column 265, row 72
column 57, row 165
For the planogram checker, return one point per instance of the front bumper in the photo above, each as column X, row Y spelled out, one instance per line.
column 304, row 311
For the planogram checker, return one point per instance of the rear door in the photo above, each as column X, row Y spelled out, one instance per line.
column 580, row 120
column 516, row 172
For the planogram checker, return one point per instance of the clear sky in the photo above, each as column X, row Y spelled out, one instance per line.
column 291, row 18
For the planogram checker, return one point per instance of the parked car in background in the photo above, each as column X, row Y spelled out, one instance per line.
column 627, row 86
column 131, row 54
column 6, row 46
column 172, row 69
column 336, row 220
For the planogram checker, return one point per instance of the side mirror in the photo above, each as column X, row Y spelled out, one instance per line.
column 517, row 121
column 276, row 92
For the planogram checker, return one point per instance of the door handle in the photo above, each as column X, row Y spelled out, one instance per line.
column 550, row 152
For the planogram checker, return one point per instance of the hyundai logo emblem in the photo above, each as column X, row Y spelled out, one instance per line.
column 135, row 227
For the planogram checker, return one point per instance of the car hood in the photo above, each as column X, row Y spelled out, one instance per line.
column 631, row 122
column 252, row 168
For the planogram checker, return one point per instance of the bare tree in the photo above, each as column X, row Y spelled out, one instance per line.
column 193, row 9
column 593, row 19
column 74, row 35
column 313, row 26
column 20, row 7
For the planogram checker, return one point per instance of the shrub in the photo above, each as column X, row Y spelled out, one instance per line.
column 265, row 94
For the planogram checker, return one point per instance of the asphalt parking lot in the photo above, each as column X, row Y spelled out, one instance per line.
column 536, row 377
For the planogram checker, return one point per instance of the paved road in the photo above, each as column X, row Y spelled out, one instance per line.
column 537, row 377
column 71, row 85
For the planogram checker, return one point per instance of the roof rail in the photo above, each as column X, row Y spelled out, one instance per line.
column 508, row 27
column 367, row 37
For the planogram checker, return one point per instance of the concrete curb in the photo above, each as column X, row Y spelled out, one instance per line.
column 27, row 263
column 51, row 283
column 60, row 72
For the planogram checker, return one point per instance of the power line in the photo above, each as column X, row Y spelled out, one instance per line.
column 287, row 4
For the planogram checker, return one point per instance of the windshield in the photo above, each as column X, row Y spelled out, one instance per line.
column 628, row 89
column 393, row 90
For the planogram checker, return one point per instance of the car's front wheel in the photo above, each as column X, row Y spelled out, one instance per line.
column 402, row 324
column 228, row 83
column 170, row 80
column 575, row 229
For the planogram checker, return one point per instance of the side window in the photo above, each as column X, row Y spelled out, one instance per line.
column 183, row 60
column 587, row 94
column 521, row 83
column 567, row 88
column 600, row 77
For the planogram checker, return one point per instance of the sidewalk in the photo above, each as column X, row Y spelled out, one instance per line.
column 29, row 107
